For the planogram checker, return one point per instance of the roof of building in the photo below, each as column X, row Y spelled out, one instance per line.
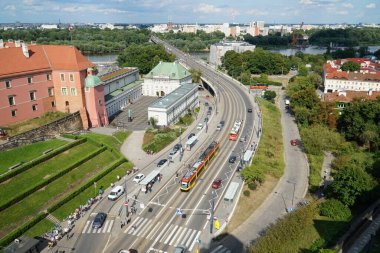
column 115, row 73
column 24, row 244
column 92, row 81
column 170, row 70
column 348, row 96
column 122, row 89
column 41, row 58
column 174, row 96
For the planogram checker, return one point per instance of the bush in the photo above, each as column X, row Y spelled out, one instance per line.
column 252, row 186
column 335, row 209
column 33, row 163
column 247, row 193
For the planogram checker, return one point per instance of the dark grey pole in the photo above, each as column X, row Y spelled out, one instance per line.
column 212, row 212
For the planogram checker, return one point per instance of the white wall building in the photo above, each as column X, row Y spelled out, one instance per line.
column 219, row 49
column 49, row 26
column 170, row 108
column 165, row 78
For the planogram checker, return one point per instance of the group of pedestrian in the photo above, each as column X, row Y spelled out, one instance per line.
column 150, row 152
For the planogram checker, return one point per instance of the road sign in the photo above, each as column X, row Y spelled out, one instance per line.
column 217, row 225
column 178, row 211
column 126, row 204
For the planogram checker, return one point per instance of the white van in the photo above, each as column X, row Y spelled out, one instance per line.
column 116, row 192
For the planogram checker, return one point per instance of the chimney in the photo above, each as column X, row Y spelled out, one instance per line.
column 1, row 43
column 25, row 50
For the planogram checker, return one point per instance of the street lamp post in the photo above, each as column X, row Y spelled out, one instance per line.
column 212, row 211
column 126, row 197
column 283, row 199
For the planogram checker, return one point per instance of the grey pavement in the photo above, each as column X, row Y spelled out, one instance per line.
column 326, row 168
column 104, row 130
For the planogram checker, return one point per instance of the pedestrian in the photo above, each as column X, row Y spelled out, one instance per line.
column 67, row 236
column 176, row 175
column 129, row 220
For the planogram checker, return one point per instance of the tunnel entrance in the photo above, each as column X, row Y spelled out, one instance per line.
column 208, row 88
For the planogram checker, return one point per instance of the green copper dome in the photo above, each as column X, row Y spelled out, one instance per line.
column 92, row 81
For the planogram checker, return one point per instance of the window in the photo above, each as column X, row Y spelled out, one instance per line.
column 51, row 91
column 87, row 89
column 34, row 107
column 62, row 77
column 48, row 77
column 100, row 102
column 32, row 95
column 64, row 91
column 13, row 112
column 8, row 84
column 73, row 91
column 12, row 100
column 52, row 103
column 30, row 79
column 71, row 77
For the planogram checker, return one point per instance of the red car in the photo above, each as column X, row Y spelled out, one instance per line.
column 217, row 183
column 293, row 142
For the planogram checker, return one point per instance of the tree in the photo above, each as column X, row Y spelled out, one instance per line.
column 270, row 95
column 196, row 75
column 316, row 80
column 302, row 71
column 350, row 66
column 350, row 183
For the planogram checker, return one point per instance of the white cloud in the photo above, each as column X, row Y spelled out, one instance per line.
column 28, row 2
column 256, row 12
column 348, row 5
column 207, row 8
column 371, row 6
column 342, row 12
column 307, row 2
column 10, row 8
column 91, row 8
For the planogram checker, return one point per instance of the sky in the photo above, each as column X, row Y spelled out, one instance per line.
column 190, row 11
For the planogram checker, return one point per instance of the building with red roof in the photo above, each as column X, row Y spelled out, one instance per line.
column 343, row 86
column 35, row 79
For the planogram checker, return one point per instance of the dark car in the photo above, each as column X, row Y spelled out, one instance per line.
column 178, row 146
column 222, row 123
column 206, row 104
column 161, row 162
column 249, row 109
column 190, row 135
column 99, row 220
column 217, row 183
column 210, row 108
column 206, row 119
column 208, row 113
column 232, row 159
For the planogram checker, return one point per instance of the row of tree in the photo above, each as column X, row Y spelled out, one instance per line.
column 88, row 40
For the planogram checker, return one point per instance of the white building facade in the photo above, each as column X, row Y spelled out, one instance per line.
column 169, row 109
column 218, row 50
column 165, row 78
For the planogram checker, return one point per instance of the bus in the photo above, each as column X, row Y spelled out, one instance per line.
column 258, row 86
column 235, row 131
column 190, row 178
column 191, row 142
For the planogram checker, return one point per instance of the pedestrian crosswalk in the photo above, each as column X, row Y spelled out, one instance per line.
column 152, row 250
column 106, row 228
column 169, row 234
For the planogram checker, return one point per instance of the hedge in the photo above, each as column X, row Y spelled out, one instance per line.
column 53, row 178
column 44, row 158
column 5, row 241
column 88, row 184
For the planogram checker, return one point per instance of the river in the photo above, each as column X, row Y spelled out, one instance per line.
column 204, row 55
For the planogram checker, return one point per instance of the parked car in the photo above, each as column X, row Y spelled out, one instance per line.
column 190, row 135
column 217, row 183
column 208, row 113
column 293, row 142
column 180, row 249
column 222, row 123
column 249, row 110
column 161, row 162
column 177, row 146
column 210, row 108
column 99, row 220
column 128, row 251
column 200, row 126
column 138, row 178
column 206, row 119
column 232, row 159
column 243, row 138
column 206, row 104
column 116, row 192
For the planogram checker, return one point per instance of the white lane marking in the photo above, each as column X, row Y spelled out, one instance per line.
column 85, row 227
column 192, row 245
column 140, row 227
column 191, row 238
column 180, row 237
column 205, row 225
column 105, row 226
column 146, row 229
column 175, row 235
column 110, row 226
column 153, row 232
column 170, row 235
column 130, row 229
column 162, row 232
column 99, row 230
column 186, row 237
column 195, row 208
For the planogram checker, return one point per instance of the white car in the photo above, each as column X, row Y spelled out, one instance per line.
column 200, row 126
column 116, row 192
column 138, row 178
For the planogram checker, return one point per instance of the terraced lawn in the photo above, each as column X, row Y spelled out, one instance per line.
column 26, row 153
column 81, row 199
column 28, row 179
column 24, row 210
